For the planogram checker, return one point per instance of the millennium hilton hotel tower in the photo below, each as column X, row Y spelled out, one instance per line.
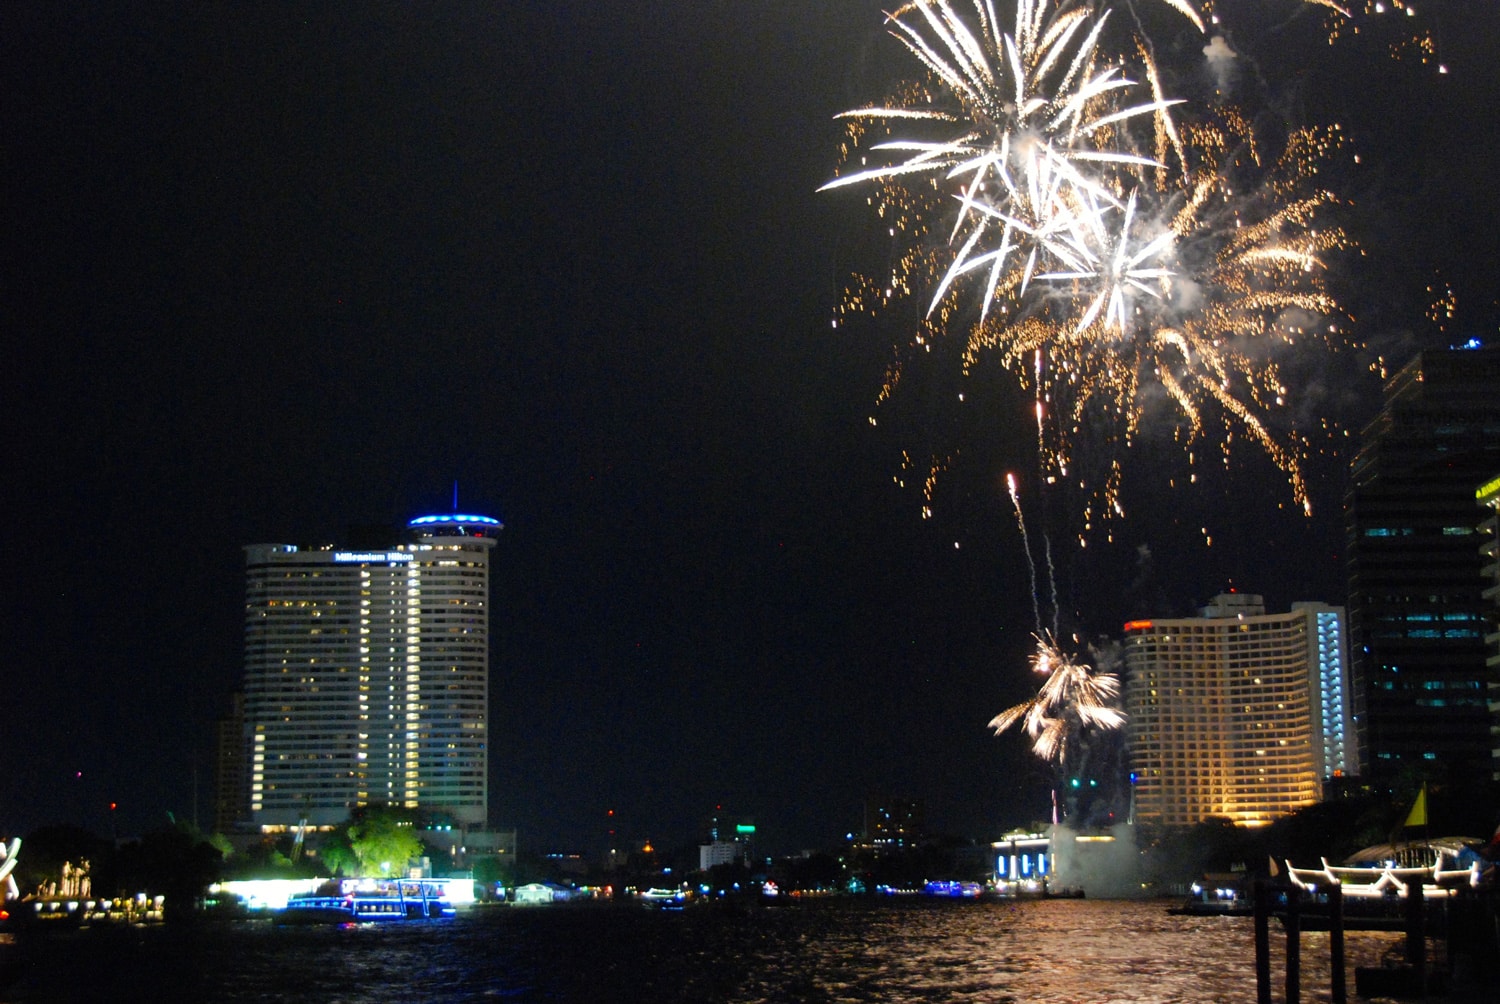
column 367, row 676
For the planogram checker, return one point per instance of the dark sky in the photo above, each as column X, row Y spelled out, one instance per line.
column 270, row 272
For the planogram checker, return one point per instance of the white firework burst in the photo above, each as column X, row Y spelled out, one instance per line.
column 1073, row 696
column 1036, row 133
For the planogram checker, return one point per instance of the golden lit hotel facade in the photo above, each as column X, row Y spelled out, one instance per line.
column 1236, row 714
column 367, row 676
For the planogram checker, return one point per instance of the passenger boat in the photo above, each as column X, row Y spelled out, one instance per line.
column 663, row 899
column 355, row 902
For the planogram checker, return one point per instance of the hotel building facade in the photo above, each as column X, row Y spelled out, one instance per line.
column 367, row 676
column 1237, row 713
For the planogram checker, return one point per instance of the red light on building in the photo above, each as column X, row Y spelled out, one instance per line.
column 1137, row 625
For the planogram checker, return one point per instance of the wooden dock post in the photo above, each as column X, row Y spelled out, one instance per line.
column 1337, row 991
column 1262, row 941
column 1416, row 929
column 1291, row 918
column 1293, row 921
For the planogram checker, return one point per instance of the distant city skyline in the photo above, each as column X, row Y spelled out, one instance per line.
column 272, row 272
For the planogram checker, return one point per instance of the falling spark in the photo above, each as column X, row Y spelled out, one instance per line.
column 1395, row 24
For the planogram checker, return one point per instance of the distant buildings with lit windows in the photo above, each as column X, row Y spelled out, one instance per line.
column 892, row 824
column 1418, row 613
column 367, row 676
column 231, row 767
column 720, row 852
column 1236, row 713
column 729, row 840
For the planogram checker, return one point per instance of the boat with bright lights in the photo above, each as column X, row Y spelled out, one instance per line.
column 663, row 899
column 953, row 890
column 1218, row 894
column 1376, row 883
column 362, row 902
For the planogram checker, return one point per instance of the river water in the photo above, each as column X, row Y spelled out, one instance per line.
column 826, row 951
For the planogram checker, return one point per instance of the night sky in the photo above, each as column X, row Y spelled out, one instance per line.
column 269, row 272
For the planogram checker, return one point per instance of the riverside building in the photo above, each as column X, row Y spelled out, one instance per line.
column 367, row 676
column 1236, row 713
column 1488, row 496
column 1418, row 614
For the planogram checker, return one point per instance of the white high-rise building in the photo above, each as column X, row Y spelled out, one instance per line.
column 1237, row 713
column 367, row 676
column 1335, row 744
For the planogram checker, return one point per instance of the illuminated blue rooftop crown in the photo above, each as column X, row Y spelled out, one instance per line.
column 456, row 525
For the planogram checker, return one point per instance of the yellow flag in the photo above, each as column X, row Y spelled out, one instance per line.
column 1418, row 814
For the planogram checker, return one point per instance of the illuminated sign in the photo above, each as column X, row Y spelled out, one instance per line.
column 371, row 556
column 744, row 828
column 455, row 518
column 1137, row 625
column 1489, row 488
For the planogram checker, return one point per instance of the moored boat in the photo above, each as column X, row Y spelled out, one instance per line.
column 1224, row 894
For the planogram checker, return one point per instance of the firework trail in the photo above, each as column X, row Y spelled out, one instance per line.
column 1041, row 428
column 1109, row 255
column 1015, row 501
column 1036, row 614
column 1051, row 579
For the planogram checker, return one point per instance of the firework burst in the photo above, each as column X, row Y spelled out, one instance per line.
column 1235, row 275
column 1072, row 697
column 1029, row 129
column 1110, row 255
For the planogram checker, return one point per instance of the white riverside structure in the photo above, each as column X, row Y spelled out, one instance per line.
column 1238, row 713
column 367, row 676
